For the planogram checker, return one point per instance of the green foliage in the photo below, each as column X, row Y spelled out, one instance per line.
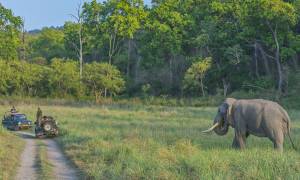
column 64, row 78
column 195, row 75
column 127, row 17
column 103, row 78
column 10, row 26
column 58, row 80
column 48, row 44
column 157, row 46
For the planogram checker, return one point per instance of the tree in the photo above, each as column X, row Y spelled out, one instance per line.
column 195, row 75
column 100, row 29
column 64, row 78
column 271, row 19
column 49, row 44
column 79, row 49
column 10, row 27
column 100, row 77
column 163, row 42
column 127, row 19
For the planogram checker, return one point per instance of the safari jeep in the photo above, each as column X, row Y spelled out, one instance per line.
column 16, row 121
column 46, row 127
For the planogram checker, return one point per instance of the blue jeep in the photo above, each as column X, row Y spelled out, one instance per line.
column 16, row 121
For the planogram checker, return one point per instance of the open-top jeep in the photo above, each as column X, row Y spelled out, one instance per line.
column 46, row 126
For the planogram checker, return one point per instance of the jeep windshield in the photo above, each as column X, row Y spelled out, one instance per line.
column 20, row 117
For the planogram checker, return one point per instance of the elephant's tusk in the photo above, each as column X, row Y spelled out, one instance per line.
column 212, row 128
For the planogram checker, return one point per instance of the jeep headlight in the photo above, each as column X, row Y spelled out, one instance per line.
column 19, row 123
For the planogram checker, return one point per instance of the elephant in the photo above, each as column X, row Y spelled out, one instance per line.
column 259, row 117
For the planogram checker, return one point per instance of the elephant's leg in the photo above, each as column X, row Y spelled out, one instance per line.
column 240, row 131
column 239, row 141
column 235, row 143
column 277, row 137
column 242, row 141
column 278, row 141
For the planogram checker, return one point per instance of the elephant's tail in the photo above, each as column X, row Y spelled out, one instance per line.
column 293, row 145
column 289, row 130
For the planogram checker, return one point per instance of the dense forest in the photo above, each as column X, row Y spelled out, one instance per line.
column 173, row 47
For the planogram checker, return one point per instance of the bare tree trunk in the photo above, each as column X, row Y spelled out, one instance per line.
column 80, row 50
column 113, row 45
column 78, row 18
column 277, row 59
column 23, row 48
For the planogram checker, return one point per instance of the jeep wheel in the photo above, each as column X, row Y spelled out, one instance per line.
column 47, row 126
column 17, row 128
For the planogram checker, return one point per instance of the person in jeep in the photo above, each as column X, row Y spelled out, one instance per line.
column 13, row 110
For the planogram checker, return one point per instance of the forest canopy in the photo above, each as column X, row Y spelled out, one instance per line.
column 173, row 47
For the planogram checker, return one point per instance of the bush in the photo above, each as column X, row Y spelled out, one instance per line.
column 60, row 79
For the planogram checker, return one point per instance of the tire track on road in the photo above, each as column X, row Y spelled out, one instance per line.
column 28, row 170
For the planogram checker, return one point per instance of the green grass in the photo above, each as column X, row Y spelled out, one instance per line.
column 151, row 142
column 45, row 168
column 11, row 148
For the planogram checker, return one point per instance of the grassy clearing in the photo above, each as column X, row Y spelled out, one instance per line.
column 148, row 142
column 11, row 148
column 45, row 168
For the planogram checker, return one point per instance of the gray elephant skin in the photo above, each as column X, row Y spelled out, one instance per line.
column 258, row 117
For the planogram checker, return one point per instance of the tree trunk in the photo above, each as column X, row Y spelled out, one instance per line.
column 23, row 45
column 256, row 60
column 110, row 49
column 80, row 51
column 137, row 69
column 170, row 69
column 265, row 60
column 128, row 58
column 277, row 59
column 225, row 83
column 202, row 87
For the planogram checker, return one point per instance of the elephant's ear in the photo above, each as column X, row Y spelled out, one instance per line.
column 229, row 102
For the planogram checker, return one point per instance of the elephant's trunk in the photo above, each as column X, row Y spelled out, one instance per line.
column 222, row 129
column 220, row 126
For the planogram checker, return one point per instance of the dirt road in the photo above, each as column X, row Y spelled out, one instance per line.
column 28, row 169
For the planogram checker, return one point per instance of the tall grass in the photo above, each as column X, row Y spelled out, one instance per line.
column 11, row 148
column 154, row 142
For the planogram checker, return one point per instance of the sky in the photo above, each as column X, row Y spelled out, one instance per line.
column 41, row 13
